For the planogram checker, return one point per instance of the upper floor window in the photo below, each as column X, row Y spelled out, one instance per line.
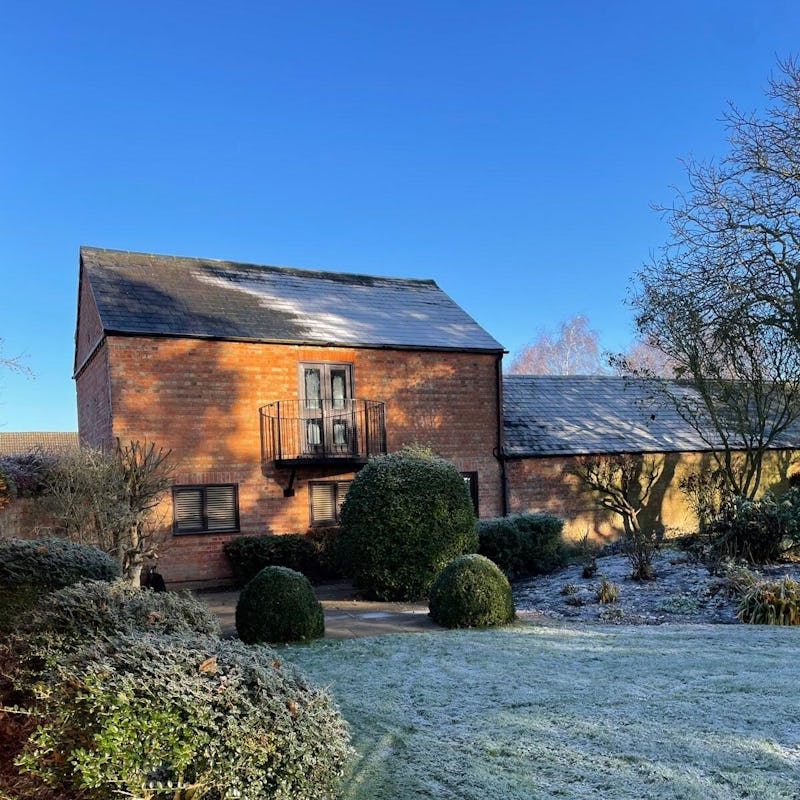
column 326, row 392
column 325, row 385
column 211, row 508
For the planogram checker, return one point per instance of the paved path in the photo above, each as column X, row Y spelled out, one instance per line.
column 346, row 617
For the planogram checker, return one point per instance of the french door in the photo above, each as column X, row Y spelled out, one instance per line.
column 326, row 392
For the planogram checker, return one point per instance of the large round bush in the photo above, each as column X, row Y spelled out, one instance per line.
column 185, row 716
column 30, row 568
column 471, row 592
column 405, row 516
column 279, row 605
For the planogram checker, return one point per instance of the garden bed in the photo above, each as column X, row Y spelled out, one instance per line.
column 683, row 591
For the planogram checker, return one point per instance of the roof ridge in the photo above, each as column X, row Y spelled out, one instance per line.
column 301, row 271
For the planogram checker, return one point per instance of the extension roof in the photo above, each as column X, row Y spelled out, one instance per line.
column 141, row 293
column 548, row 415
column 18, row 443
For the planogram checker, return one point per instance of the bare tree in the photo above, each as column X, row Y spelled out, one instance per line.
column 575, row 350
column 109, row 500
column 14, row 363
column 624, row 484
column 146, row 476
column 722, row 299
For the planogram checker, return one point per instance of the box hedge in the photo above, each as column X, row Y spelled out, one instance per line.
column 523, row 544
column 404, row 517
column 471, row 592
column 315, row 554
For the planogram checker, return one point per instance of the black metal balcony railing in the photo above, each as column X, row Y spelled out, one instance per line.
column 295, row 432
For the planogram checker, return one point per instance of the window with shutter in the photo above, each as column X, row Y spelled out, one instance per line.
column 205, row 509
column 325, row 499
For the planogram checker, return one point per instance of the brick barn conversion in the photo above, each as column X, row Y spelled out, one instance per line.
column 273, row 386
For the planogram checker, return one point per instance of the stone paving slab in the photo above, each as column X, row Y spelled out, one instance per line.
column 346, row 616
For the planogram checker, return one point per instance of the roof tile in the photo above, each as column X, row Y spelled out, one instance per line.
column 178, row 296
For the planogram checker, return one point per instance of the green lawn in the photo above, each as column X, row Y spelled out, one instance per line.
column 604, row 713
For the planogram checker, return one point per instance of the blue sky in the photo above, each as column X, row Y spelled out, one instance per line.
column 509, row 150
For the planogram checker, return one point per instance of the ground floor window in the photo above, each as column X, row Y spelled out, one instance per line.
column 471, row 479
column 325, row 501
column 208, row 508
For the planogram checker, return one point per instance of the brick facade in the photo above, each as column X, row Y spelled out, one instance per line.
column 549, row 484
column 201, row 398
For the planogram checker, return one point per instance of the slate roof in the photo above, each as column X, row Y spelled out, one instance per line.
column 23, row 442
column 548, row 415
column 142, row 293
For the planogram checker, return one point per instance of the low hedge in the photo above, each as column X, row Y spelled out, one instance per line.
column 91, row 612
column 523, row 544
column 185, row 716
column 30, row 568
column 314, row 554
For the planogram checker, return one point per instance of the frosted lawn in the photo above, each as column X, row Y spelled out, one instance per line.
column 678, row 712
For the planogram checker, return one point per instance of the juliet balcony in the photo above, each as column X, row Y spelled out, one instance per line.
column 298, row 433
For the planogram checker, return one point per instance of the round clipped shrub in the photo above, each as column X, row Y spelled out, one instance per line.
column 185, row 716
column 404, row 517
column 471, row 592
column 30, row 568
column 279, row 605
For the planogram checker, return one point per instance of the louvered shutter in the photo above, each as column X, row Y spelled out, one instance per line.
column 201, row 509
column 323, row 503
column 188, row 509
column 221, row 508
column 341, row 491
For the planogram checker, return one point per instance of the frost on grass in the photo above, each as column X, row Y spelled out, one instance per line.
column 678, row 713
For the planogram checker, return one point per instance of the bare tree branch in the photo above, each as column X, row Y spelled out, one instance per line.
column 721, row 300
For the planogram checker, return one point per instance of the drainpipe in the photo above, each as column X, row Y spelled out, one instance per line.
column 499, row 453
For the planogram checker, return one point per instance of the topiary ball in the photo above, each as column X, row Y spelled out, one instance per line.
column 404, row 517
column 279, row 605
column 471, row 592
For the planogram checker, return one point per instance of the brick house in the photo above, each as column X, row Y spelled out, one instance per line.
column 272, row 386
column 553, row 421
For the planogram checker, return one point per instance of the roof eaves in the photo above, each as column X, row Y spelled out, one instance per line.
column 304, row 342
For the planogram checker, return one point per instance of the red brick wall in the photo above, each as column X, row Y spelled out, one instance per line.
column 94, row 400
column 202, row 398
column 547, row 484
column 89, row 331
column 92, row 378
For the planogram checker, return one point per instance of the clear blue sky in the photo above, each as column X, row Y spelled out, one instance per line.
column 509, row 150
